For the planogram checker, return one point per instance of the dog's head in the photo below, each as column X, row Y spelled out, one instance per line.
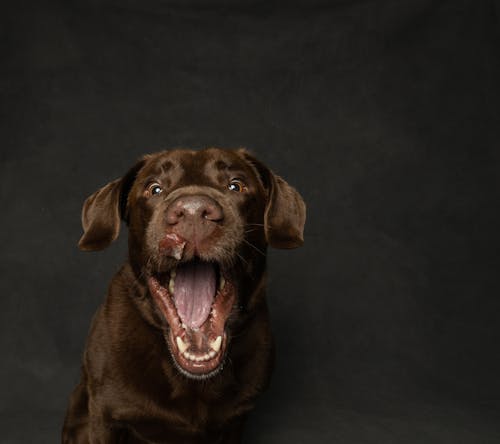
column 199, row 224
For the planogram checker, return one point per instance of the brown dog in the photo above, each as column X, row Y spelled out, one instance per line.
column 181, row 347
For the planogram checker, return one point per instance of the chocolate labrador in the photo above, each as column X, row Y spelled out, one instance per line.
column 182, row 346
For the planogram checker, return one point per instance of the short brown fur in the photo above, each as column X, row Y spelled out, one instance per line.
column 130, row 390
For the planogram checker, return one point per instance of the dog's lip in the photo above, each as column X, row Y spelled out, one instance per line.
column 205, row 367
column 173, row 245
column 198, row 353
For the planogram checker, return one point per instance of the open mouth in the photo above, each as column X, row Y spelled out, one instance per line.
column 196, row 299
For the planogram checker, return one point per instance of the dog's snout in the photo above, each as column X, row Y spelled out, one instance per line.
column 194, row 210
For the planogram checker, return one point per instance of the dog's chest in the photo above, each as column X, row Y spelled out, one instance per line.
column 191, row 416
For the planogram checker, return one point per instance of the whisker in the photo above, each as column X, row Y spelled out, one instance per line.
column 253, row 246
column 144, row 270
column 241, row 257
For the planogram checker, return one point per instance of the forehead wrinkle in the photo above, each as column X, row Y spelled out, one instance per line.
column 191, row 165
column 165, row 165
column 162, row 166
column 226, row 164
column 170, row 170
column 215, row 169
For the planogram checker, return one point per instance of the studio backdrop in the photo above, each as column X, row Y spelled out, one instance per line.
column 383, row 114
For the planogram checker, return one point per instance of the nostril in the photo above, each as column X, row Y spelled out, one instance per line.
column 174, row 215
column 212, row 213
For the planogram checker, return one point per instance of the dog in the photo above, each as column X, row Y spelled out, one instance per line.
column 182, row 346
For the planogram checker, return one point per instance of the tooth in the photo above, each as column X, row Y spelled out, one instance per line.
column 216, row 344
column 211, row 354
column 222, row 283
column 171, row 282
column 181, row 345
column 177, row 251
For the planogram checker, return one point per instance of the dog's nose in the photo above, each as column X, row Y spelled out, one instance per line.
column 194, row 210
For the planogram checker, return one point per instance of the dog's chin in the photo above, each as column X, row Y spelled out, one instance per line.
column 195, row 300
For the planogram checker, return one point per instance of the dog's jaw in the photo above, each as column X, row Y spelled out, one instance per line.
column 198, row 351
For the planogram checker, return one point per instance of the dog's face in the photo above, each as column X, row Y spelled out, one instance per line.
column 199, row 224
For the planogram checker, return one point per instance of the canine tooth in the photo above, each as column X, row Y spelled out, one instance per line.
column 216, row 344
column 222, row 283
column 177, row 251
column 211, row 354
column 171, row 282
column 181, row 345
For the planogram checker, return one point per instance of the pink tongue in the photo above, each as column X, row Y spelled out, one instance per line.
column 194, row 292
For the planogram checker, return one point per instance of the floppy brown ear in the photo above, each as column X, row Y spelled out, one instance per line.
column 103, row 211
column 285, row 213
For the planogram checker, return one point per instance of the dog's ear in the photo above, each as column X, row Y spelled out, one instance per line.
column 103, row 211
column 285, row 213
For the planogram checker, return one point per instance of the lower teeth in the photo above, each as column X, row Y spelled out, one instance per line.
column 204, row 357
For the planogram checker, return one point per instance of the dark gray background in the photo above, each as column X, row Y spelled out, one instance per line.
column 384, row 114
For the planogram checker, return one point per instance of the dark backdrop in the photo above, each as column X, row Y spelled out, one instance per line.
column 384, row 114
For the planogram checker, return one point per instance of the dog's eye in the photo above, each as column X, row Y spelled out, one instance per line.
column 154, row 189
column 237, row 185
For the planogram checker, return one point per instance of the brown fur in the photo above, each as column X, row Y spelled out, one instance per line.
column 130, row 390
